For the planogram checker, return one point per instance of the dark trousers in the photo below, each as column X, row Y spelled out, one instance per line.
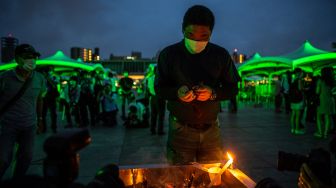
column 233, row 105
column 125, row 98
column 158, row 108
column 24, row 138
column 49, row 104
column 278, row 102
column 287, row 103
column 69, row 110
column 185, row 146
column 86, row 102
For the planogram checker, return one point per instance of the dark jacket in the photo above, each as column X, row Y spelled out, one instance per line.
column 212, row 67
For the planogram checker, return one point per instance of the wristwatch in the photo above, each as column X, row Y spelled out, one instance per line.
column 213, row 95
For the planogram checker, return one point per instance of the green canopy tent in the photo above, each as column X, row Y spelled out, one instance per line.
column 264, row 66
column 60, row 61
column 310, row 58
column 7, row 66
column 267, row 65
column 306, row 57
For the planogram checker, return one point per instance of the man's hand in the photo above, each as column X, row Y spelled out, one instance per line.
column 203, row 92
column 185, row 95
column 307, row 179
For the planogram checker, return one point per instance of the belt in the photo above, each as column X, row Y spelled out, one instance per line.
column 197, row 126
column 201, row 126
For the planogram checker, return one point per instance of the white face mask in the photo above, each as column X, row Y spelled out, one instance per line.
column 29, row 64
column 193, row 46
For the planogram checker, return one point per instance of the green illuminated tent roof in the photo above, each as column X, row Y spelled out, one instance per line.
column 305, row 50
column 59, row 61
column 307, row 57
column 264, row 65
column 311, row 58
column 60, row 56
column 6, row 66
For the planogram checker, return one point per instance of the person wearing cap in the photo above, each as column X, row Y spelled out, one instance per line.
column 22, row 118
column 194, row 75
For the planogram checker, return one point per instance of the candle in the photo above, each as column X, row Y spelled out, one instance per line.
column 213, row 172
column 217, row 176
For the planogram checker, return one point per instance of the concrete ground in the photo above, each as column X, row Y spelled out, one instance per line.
column 253, row 135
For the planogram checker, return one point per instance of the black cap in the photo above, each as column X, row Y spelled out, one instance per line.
column 26, row 49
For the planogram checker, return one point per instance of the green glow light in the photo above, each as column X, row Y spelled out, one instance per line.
column 256, row 56
column 7, row 66
column 60, row 56
column 307, row 57
column 264, row 73
column 270, row 63
column 60, row 61
column 65, row 64
column 53, row 63
column 278, row 72
column 315, row 58
column 270, row 66
column 305, row 50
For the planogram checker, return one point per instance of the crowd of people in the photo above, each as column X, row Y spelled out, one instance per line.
column 86, row 99
column 307, row 98
column 34, row 99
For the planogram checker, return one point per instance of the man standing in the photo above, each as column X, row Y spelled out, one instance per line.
column 50, row 100
column 126, row 84
column 18, row 120
column 194, row 75
column 157, row 104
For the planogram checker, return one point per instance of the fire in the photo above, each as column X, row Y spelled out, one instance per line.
column 229, row 156
column 230, row 159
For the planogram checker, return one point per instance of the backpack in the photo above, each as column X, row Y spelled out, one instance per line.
column 295, row 95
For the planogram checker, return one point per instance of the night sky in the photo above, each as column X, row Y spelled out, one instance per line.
column 270, row 27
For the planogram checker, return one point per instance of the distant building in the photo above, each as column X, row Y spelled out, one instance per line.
column 114, row 57
column 136, row 55
column 238, row 58
column 83, row 53
column 8, row 45
column 96, row 55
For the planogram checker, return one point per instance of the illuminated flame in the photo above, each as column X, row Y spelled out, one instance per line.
column 230, row 161
column 215, row 173
column 229, row 156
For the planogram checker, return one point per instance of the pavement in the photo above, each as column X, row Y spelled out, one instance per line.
column 254, row 136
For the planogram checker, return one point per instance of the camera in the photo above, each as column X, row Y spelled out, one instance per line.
column 318, row 161
column 61, row 166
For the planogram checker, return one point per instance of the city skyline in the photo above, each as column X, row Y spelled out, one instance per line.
column 270, row 28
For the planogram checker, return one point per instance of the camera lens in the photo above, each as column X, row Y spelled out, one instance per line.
column 290, row 162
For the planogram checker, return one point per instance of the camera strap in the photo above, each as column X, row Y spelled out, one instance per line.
column 18, row 95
